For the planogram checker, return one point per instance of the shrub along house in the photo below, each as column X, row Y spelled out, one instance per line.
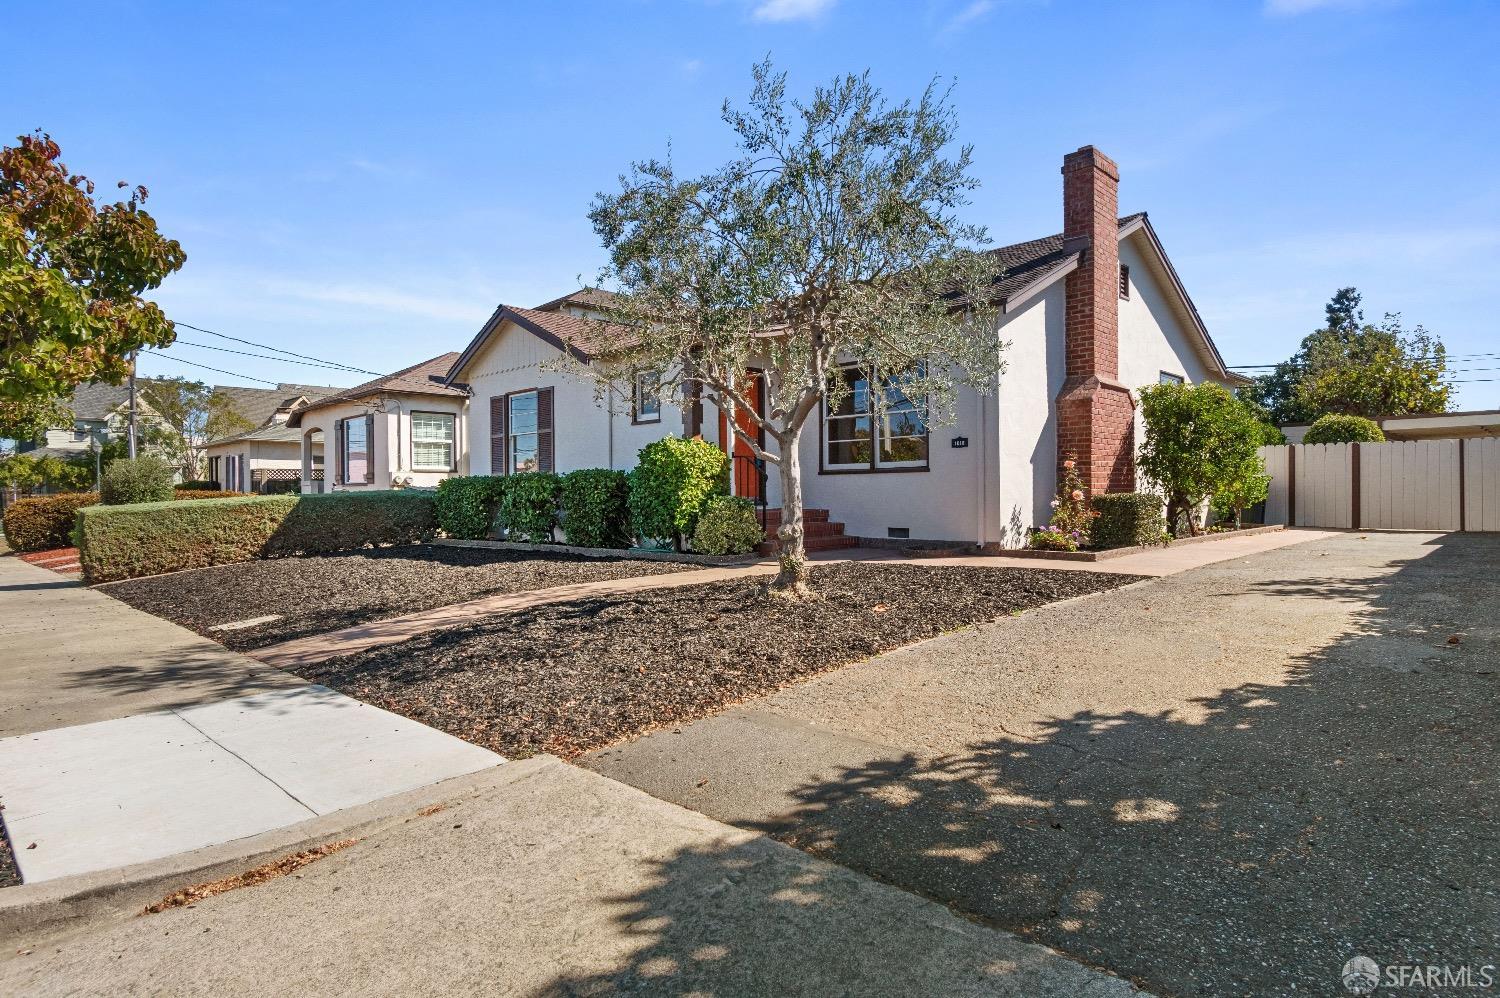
column 1091, row 315
column 404, row 429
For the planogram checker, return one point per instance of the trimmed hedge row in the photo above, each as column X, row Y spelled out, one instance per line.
column 594, row 507
column 1127, row 519
column 466, row 507
column 125, row 542
column 42, row 523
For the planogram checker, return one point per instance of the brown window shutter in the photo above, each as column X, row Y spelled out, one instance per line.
column 497, row 434
column 544, row 429
column 340, row 470
column 370, row 448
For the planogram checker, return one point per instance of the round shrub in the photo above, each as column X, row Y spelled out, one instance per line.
column 146, row 479
column 466, row 507
column 528, row 507
column 727, row 525
column 596, row 508
column 1338, row 429
column 671, row 486
column 42, row 523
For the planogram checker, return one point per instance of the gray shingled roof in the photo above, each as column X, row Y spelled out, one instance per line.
column 258, row 405
column 270, row 433
column 1028, row 261
column 96, row 400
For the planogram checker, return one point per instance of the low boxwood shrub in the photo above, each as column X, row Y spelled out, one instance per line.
column 528, row 506
column 1054, row 539
column 671, row 486
column 124, row 542
column 727, row 525
column 466, row 507
column 1128, row 519
column 199, row 485
column 596, row 508
column 42, row 523
column 1337, row 429
column 147, row 478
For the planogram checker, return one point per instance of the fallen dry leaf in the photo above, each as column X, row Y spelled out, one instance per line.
column 259, row 875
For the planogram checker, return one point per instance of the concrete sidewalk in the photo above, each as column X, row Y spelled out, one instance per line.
column 538, row 878
column 132, row 739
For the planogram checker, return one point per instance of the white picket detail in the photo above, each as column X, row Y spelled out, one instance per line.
column 1482, row 483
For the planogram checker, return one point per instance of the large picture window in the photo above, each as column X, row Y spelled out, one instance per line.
column 523, row 441
column 857, row 437
column 356, row 449
column 432, row 443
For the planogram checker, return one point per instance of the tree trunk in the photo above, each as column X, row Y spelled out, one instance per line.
column 792, row 579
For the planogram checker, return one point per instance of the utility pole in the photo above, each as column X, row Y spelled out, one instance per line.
column 131, row 437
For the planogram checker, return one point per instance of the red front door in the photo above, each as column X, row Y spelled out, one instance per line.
column 744, row 476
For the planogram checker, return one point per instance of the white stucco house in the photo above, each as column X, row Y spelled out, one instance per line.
column 267, row 457
column 1091, row 315
column 403, row 430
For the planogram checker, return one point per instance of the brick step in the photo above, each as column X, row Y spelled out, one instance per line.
column 831, row 542
column 773, row 515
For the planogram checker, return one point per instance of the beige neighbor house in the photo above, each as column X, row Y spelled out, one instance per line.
column 267, row 458
column 1091, row 315
column 403, row 430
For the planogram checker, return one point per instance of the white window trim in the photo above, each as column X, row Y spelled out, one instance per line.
column 452, row 441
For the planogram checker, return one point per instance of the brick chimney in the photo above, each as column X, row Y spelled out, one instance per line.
column 1096, row 414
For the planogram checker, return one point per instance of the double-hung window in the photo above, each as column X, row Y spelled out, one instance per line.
column 861, row 435
column 432, row 441
column 523, row 441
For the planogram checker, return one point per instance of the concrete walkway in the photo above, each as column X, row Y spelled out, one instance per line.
column 131, row 739
column 536, row 878
column 1227, row 781
column 393, row 630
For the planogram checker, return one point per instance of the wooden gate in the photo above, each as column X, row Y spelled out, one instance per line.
column 1399, row 485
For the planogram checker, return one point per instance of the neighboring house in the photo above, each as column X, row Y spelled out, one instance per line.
column 1092, row 315
column 100, row 412
column 269, row 456
column 405, row 429
column 1423, row 426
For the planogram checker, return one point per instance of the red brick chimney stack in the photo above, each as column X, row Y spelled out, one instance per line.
column 1096, row 414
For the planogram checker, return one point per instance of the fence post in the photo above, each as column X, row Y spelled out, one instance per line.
column 1354, row 511
column 1291, row 485
column 1463, row 493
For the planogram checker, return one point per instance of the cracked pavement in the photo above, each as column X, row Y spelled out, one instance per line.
column 1228, row 781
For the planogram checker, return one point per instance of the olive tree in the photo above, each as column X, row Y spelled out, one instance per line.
column 832, row 240
column 1200, row 442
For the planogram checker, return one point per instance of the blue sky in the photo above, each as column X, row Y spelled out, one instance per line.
column 365, row 181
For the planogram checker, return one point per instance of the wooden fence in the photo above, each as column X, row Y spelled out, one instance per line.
column 1405, row 485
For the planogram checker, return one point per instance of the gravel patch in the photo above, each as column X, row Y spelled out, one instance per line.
column 321, row 593
column 572, row 677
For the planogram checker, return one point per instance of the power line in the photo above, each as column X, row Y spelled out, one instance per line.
column 265, row 356
column 220, row 370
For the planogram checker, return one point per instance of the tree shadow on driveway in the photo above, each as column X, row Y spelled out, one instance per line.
column 1248, row 842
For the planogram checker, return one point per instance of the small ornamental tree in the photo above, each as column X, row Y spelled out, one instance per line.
column 72, row 273
column 1200, row 439
column 1337, row 429
column 191, row 415
column 831, row 244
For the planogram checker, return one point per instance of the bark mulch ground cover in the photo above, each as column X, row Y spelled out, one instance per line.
column 572, row 677
column 9, row 875
column 321, row 593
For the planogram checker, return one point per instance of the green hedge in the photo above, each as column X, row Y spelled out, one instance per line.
column 671, row 486
column 596, row 508
column 123, row 542
column 1337, row 429
column 528, row 507
column 42, row 523
column 1127, row 519
column 466, row 507
column 727, row 525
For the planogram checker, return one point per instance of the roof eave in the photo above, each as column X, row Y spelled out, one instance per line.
column 500, row 316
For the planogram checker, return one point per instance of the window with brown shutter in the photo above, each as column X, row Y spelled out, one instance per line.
column 498, row 465
column 545, row 456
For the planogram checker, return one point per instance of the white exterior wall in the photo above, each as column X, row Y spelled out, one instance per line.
column 586, row 433
column 390, row 443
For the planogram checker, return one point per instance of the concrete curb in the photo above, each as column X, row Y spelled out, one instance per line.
column 30, row 908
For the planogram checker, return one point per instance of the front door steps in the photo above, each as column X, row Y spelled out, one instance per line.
column 818, row 532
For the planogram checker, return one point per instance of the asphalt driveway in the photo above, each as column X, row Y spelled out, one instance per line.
column 1229, row 781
